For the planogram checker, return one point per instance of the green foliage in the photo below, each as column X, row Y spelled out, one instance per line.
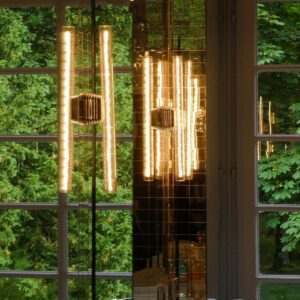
column 278, row 32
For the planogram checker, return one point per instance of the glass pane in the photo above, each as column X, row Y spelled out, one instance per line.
column 279, row 291
column 28, row 172
column 105, row 289
column 28, row 240
column 279, row 241
column 82, row 177
column 123, row 103
column 278, row 29
column 28, row 104
column 113, row 241
column 28, row 289
column 27, row 37
column 278, row 106
column 119, row 17
column 278, row 173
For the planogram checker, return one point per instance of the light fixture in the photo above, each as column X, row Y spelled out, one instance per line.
column 178, row 118
column 147, row 107
column 65, row 126
column 107, row 92
column 85, row 109
column 262, row 127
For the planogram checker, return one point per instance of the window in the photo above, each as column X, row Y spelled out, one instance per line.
column 45, row 245
column 268, row 148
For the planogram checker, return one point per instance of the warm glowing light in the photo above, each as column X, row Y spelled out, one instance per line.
column 271, row 119
column 179, row 118
column 260, row 125
column 158, row 134
column 147, row 106
column 196, row 104
column 65, row 128
column 107, row 91
column 189, row 120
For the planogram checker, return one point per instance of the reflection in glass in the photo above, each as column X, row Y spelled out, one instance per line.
column 279, row 241
column 278, row 104
column 278, row 29
column 278, row 291
column 279, row 173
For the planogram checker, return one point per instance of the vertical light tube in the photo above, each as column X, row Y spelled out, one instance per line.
column 158, row 134
column 260, row 125
column 189, row 120
column 179, row 118
column 196, row 104
column 107, row 92
column 65, row 129
column 148, row 166
column 270, row 148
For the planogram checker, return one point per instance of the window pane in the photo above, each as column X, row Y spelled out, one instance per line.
column 123, row 103
column 279, row 291
column 105, row 289
column 82, row 177
column 279, row 241
column 119, row 17
column 27, row 37
column 28, row 104
column 278, row 106
column 28, row 240
column 278, row 29
column 113, row 241
column 28, row 288
column 279, row 173
column 28, row 172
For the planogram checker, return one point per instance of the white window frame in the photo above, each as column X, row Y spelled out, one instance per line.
column 248, row 209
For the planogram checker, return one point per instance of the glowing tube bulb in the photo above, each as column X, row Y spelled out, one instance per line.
column 65, row 128
column 189, row 120
column 196, row 104
column 158, row 134
column 107, row 92
column 148, row 167
column 260, row 125
column 179, row 118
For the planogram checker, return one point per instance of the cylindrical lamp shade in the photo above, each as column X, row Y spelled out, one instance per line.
column 190, row 132
column 108, row 116
column 65, row 127
column 148, row 151
column 178, row 98
column 196, row 105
